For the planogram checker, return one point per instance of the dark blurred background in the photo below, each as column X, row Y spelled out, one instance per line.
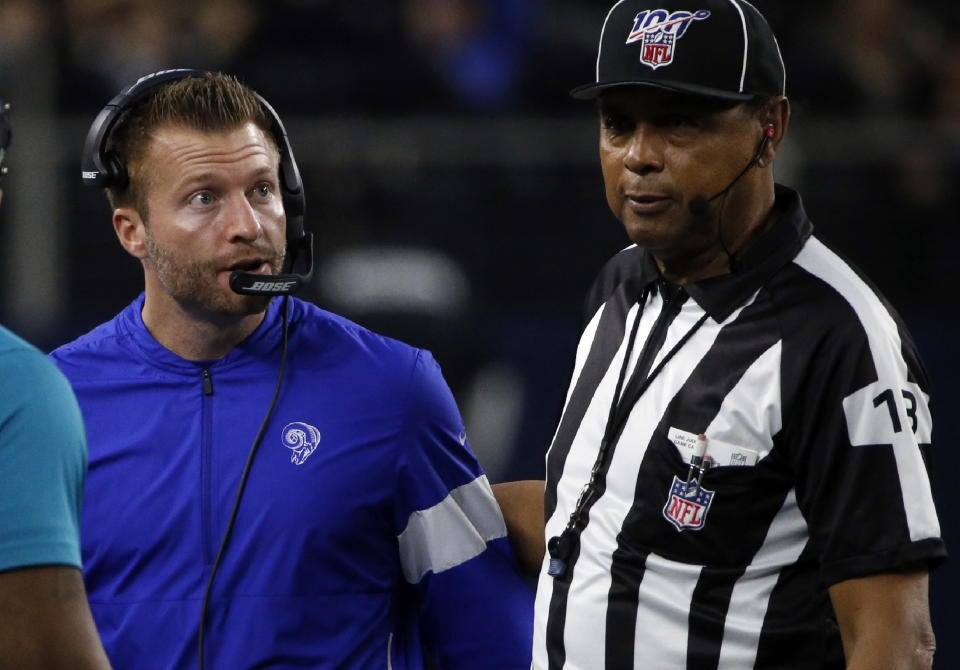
column 454, row 187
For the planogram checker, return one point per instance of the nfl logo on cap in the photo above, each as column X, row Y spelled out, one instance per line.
column 721, row 49
column 660, row 31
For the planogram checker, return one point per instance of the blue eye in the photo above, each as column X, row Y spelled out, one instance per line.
column 203, row 198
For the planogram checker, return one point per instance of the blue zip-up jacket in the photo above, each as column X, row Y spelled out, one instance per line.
column 367, row 530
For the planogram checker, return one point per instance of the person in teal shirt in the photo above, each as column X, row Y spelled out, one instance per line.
column 45, row 620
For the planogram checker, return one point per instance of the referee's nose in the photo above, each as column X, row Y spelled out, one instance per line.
column 643, row 151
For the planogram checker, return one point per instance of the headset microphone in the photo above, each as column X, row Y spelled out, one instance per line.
column 298, row 266
column 698, row 205
column 247, row 283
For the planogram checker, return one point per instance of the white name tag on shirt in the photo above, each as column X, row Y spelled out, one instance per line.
column 721, row 453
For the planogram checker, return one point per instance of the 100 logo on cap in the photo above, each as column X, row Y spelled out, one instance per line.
column 659, row 31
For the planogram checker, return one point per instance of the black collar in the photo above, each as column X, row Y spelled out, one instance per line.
column 720, row 296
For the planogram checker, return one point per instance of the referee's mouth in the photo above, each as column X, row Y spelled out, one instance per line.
column 647, row 204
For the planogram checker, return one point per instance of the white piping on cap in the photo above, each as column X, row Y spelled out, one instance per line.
column 602, row 31
column 746, row 43
column 783, row 67
column 776, row 43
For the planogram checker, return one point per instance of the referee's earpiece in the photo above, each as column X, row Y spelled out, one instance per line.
column 699, row 204
column 769, row 132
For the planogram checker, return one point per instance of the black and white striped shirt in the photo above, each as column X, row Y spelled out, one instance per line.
column 813, row 403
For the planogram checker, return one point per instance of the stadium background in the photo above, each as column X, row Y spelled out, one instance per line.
column 454, row 188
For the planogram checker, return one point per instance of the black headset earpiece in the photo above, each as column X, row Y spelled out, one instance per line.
column 114, row 170
column 98, row 168
column 105, row 169
column 291, row 186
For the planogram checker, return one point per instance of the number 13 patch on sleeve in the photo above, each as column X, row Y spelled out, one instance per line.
column 879, row 414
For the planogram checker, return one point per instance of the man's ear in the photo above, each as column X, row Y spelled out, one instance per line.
column 776, row 114
column 131, row 231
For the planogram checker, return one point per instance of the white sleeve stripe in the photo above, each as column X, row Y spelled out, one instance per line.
column 884, row 341
column 451, row 532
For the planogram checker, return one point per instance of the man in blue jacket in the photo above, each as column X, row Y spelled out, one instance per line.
column 318, row 471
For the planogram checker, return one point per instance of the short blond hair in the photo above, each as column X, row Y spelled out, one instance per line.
column 210, row 103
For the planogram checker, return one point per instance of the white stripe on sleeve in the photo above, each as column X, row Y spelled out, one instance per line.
column 884, row 342
column 451, row 532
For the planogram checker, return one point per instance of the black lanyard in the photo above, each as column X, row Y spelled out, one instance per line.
column 561, row 546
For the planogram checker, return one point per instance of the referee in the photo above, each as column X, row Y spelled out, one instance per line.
column 738, row 479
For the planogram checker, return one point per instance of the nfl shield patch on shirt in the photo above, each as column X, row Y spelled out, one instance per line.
column 687, row 505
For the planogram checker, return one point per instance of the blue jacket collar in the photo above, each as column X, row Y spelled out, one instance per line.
column 135, row 335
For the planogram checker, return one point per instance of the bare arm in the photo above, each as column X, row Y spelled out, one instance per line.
column 885, row 621
column 45, row 621
column 522, row 506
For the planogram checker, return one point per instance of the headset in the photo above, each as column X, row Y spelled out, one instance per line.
column 5, row 133
column 106, row 169
column 699, row 204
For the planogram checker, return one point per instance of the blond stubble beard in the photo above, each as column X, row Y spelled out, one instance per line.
column 191, row 283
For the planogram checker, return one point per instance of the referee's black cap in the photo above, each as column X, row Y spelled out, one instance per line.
column 714, row 48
